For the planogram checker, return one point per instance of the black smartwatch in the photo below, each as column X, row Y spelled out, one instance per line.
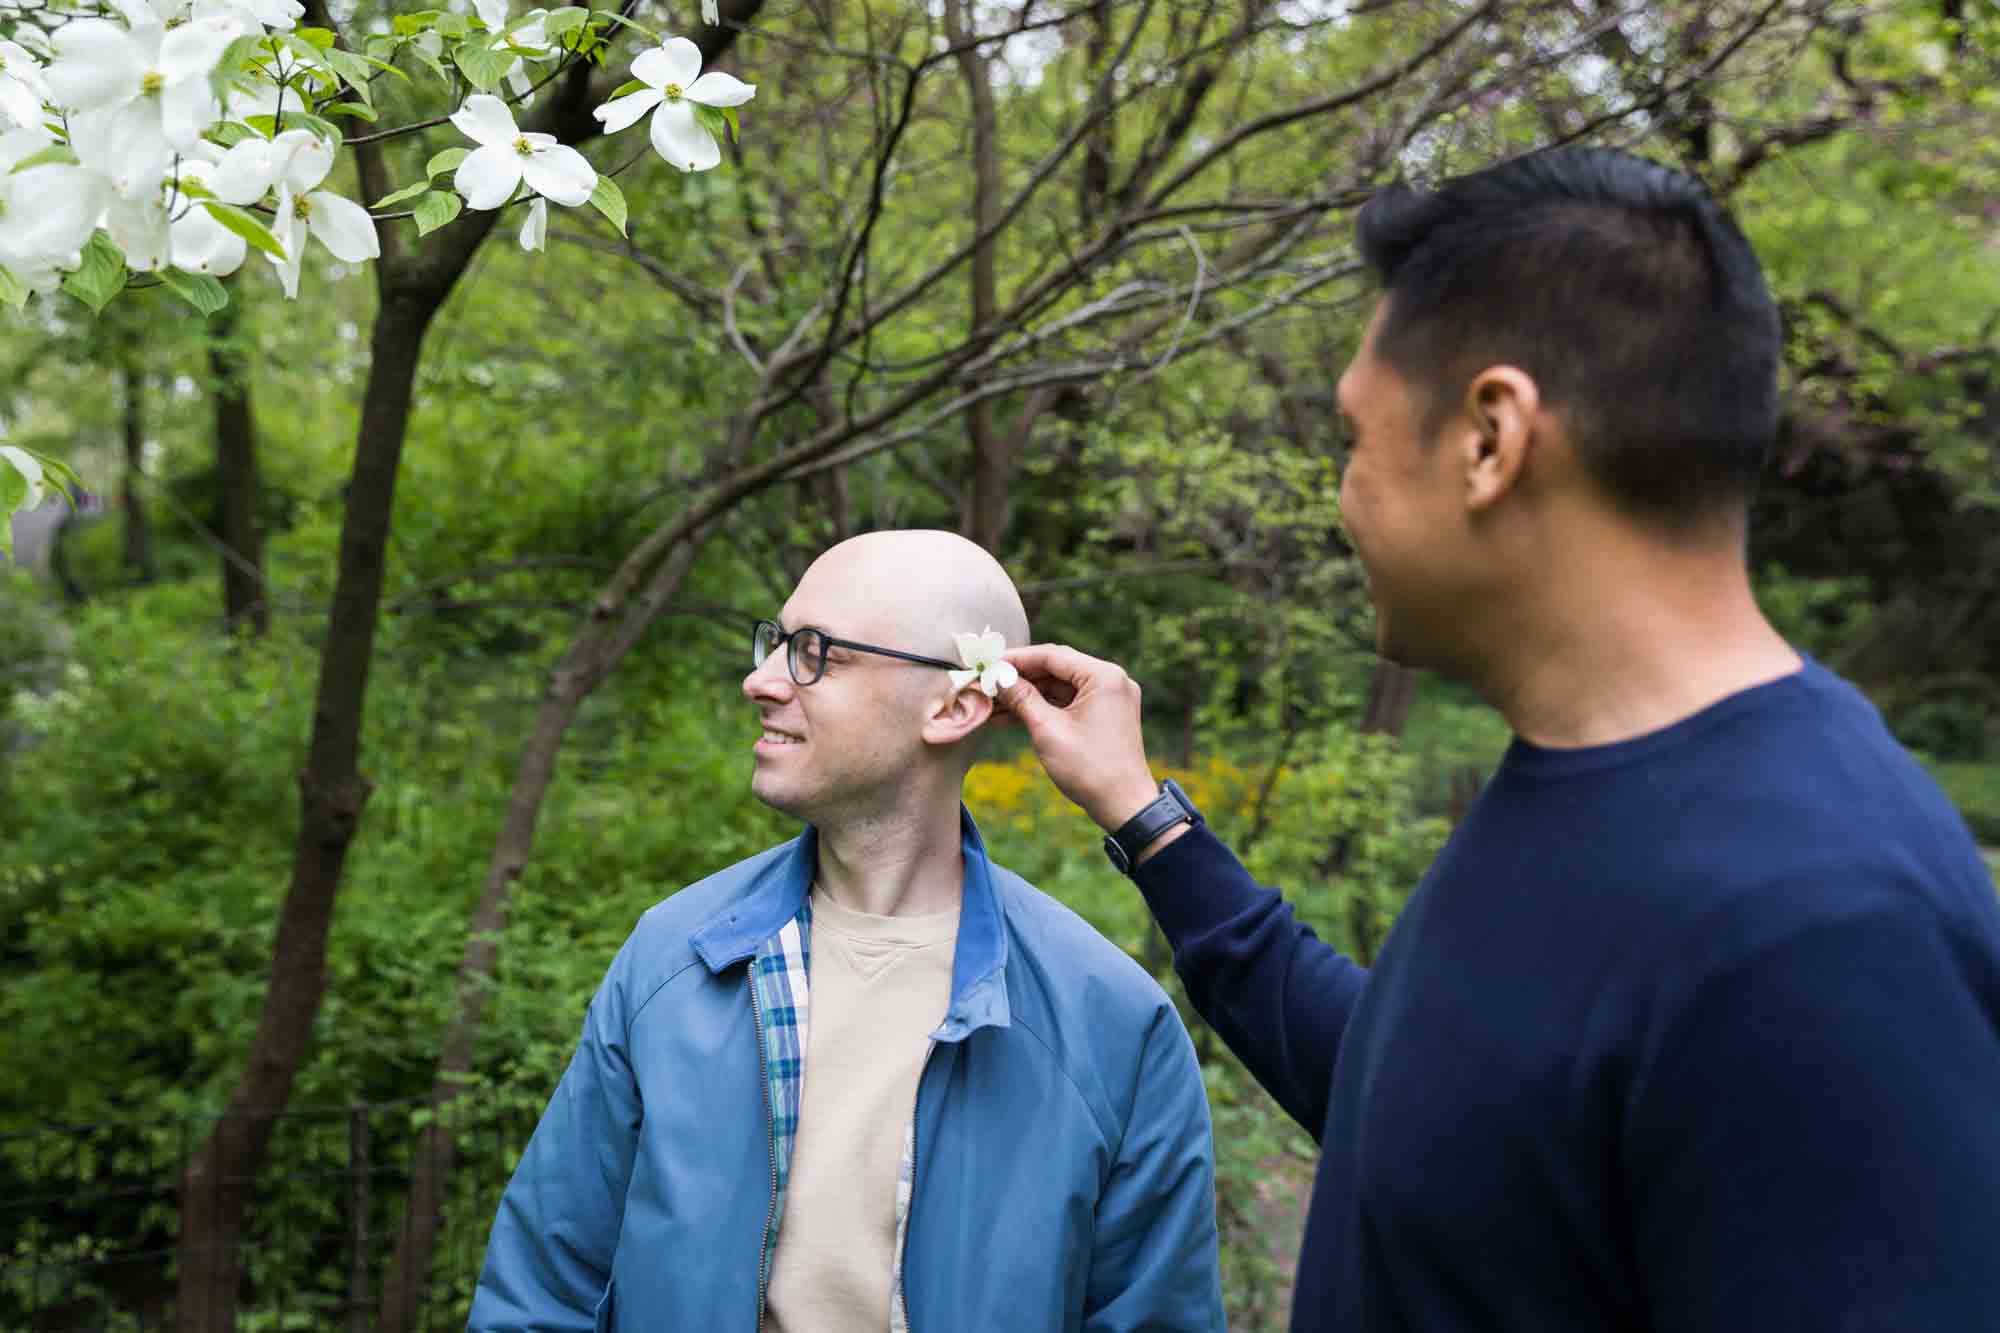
column 1169, row 808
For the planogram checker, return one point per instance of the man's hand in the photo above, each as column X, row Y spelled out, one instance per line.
column 1082, row 714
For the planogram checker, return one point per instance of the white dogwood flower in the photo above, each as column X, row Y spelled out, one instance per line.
column 22, row 89
column 528, row 35
column 172, row 228
column 149, row 87
column 47, row 212
column 246, row 16
column 506, row 156
column 983, row 664
column 341, row 225
column 535, row 231
column 675, row 84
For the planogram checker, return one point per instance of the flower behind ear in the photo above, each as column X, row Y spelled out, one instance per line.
column 983, row 663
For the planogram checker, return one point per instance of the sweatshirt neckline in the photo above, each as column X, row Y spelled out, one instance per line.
column 1527, row 759
column 913, row 932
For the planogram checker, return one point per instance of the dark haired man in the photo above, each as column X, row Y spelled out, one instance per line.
column 1695, row 1022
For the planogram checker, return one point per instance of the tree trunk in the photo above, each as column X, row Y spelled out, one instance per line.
column 138, row 539
column 592, row 655
column 215, row 1186
column 243, row 599
column 1391, row 690
column 616, row 622
column 985, row 518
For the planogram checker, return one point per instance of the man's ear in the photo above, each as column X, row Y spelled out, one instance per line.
column 956, row 715
column 1502, row 408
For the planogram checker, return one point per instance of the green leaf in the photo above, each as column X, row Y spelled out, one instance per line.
column 267, row 126
column 352, row 69
column 719, row 121
column 639, row 28
column 13, row 495
column 59, row 475
column 409, row 25
column 453, row 25
column 101, row 275
column 13, row 292
column 567, row 19
column 200, row 290
column 358, row 110
column 385, row 66
column 448, row 160
column 230, row 133
column 190, row 188
column 483, row 66
column 246, row 225
column 435, row 209
column 627, row 87
column 325, row 129
column 55, row 152
column 609, row 200
column 322, row 38
column 407, row 192
column 236, row 57
column 431, row 62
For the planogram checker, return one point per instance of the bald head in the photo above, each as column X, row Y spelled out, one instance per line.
column 914, row 589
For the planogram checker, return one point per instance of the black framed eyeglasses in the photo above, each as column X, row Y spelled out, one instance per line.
column 805, row 650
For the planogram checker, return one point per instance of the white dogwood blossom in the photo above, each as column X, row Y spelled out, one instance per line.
column 983, row 664
column 339, row 224
column 146, row 90
column 169, row 137
column 506, row 156
column 22, row 88
column 528, row 35
column 675, row 85
column 47, row 211
column 172, row 227
column 535, row 231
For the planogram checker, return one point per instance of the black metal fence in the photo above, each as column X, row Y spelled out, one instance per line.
column 89, row 1216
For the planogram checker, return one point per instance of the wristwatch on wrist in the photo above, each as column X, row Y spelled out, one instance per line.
column 1169, row 808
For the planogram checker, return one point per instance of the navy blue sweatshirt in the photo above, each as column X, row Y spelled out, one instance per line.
column 1695, row 1032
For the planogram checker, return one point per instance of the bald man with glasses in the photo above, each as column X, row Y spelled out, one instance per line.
column 868, row 1080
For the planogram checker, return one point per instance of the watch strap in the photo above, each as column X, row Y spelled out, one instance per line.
column 1170, row 808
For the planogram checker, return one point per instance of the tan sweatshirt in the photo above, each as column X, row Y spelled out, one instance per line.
column 880, row 986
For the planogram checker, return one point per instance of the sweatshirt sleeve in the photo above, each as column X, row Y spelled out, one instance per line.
column 1812, row 1142
column 1277, row 993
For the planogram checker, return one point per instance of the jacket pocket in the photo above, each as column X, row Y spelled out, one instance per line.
column 606, row 1318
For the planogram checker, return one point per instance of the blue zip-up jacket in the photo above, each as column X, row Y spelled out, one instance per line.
column 1064, row 1174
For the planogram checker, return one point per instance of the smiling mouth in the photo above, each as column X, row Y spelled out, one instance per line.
column 780, row 737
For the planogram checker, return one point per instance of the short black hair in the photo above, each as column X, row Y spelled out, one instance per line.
column 1622, row 287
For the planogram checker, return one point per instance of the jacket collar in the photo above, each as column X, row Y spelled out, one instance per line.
column 778, row 894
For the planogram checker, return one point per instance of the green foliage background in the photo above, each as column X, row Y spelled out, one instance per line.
column 1184, row 522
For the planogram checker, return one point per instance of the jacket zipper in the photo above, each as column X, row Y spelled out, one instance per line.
column 771, row 1146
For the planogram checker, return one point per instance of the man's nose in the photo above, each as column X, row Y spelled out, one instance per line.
column 772, row 681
